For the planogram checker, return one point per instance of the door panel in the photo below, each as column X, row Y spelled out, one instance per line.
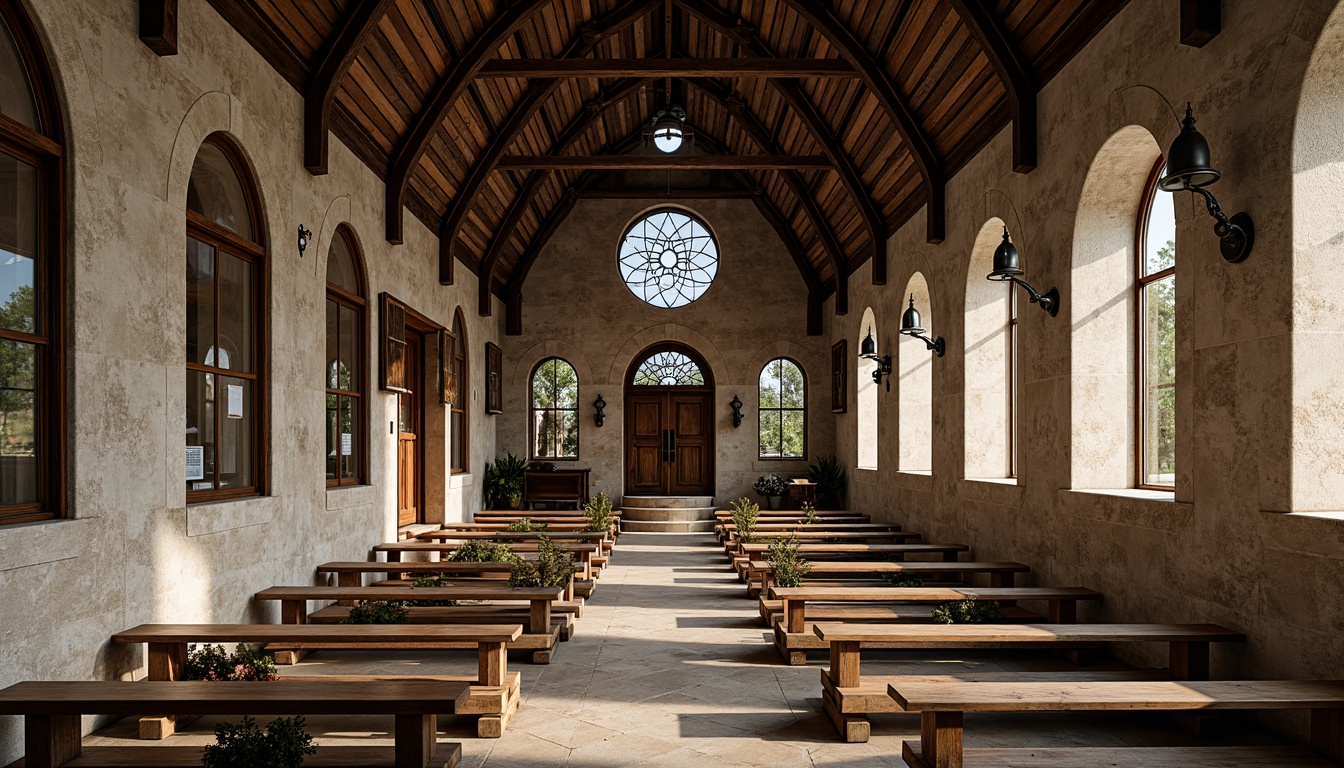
column 643, row 455
column 669, row 443
column 693, row 470
column 409, row 480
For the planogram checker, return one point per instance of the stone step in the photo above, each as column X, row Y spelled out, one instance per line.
column 666, row 502
column 676, row 526
column 668, row 515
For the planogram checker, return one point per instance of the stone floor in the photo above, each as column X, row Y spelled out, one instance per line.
column 668, row 666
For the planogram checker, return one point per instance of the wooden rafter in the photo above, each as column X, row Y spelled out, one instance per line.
column 412, row 145
column 158, row 26
column 337, row 56
column 1020, row 83
column 588, row 37
column 875, row 77
column 1201, row 21
column 651, row 67
column 662, row 162
column 808, row 113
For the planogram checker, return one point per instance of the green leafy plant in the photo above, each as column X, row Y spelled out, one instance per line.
column 283, row 744
column 484, row 552
column 210, row 662
column 525, row 525
column 829, row 475
column 598, row 510
column 786, row 564
column 967, row 612
column 903, row 580
column 504, row 479
column 430, row 582
column 378, row 612
column 745, row 512
column 810, row 516
column 770, row 485
column 552, row 568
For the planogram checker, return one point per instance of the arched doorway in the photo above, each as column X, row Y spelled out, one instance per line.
column 669, row 423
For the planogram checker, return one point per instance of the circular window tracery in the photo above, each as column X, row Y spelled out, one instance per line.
column 669, row 369
column 668, row 258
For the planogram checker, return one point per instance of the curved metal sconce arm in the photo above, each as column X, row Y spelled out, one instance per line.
column 1049, row 300
column 938, row 346
column 1236, row 235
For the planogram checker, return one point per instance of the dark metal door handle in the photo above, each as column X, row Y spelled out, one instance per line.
column 672, row 446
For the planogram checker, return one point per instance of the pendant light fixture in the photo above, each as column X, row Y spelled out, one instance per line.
column 1189, row 170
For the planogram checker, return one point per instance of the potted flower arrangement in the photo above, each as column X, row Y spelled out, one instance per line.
column 772, row 487
column 504, row 481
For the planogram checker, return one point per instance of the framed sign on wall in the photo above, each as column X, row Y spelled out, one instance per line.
column 494, row 378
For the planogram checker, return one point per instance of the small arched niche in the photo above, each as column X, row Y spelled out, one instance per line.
column 990, row 364
column 866, row 396
column 915, row 385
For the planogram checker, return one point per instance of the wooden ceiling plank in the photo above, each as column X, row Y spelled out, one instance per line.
column 339, row 53
column 1018, row 79
column 661, row 162
column 541, row 69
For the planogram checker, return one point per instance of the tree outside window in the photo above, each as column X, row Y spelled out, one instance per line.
column 783, row 410
column 555, row 410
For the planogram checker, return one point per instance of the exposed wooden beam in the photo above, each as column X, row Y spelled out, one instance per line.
column 875, row 77
column 651, row 67
column 812, row 119
column 681, row 193
column 412, row 145
column 1201, row 21
column 337, row 56
column 158, row 26
column 1020, row 83
column 587, row 39
column 662, row 162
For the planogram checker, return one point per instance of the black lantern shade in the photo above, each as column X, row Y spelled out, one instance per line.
column 1007, row 262
column 868, row 351
column 911, row 325
column 1188, row 165
column 868, row 347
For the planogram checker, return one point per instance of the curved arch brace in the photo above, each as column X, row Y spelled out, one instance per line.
column 339, row 53
column 1013, row 71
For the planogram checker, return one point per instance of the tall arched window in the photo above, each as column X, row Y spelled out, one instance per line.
column 32, row 380
column 225, row 442
column 783, row 410
column 1155, row 281
column 345, row 376
column 866, row 396
column 459, row 429
column 914, row 369
column 990, row 367
column 555, row 410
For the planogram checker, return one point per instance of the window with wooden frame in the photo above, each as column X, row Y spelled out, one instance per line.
column 32, row 300
column 554, row 410
column 347, row 442
column 1012, row 380
column 459, row 430
column 1155, row 344
column 226, row 430
column 782, row 410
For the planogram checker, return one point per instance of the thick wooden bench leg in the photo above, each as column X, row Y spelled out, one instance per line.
column 793, row 615
column 844, row 670
column 940, row 739
column 293, row 611
column 166, row 661
column 1063, row 612
column 416, row 737
column 493, row 663
column 1002, row 580
column 854, row 729
column 1327, row 733
column 1190, row 661
column 50, row 740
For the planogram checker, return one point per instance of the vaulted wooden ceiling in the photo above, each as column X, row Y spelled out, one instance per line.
column 840, row 119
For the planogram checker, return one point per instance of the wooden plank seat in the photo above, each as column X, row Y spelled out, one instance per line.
column 52, row 712
column 727, row 514
column 562, row 621
column 733, row 544
column 815, row 552
column 1001, row 574
column 395, row 552
column 725, row 531
column 847, row 695
column 167, row 653
column 511, row 537
column 793, row 637
column 539, row 636
column 552, row 526
column 942, row 707
column 571, row 603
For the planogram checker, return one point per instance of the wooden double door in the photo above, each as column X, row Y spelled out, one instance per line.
column 669, row 442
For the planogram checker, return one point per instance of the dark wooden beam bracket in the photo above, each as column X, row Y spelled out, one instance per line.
column 158, row 26
column 1020, row 83
column 338, row 55
column 1201, row 21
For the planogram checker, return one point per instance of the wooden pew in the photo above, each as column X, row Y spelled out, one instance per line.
column 494, row 693
column 795, row 514
column 733, row 544
column 941, row 707
column 393, row 551
column 816, row 552
column 540, row 635
column 848, row 697
column 760, row 577
column 725, row 531
column 351, row 574
column 794, row 636
column 52, row 712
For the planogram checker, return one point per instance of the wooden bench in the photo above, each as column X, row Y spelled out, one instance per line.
column 791, row 514
column 511, row 537
column 494, row 693
column 848, row 697
column 817, row 552
column 941, row 707
column 724, row 531
column 52, row 712
column 394, row 552
column 733, row 544
column 760, row 577
column 793, row 636
column 539, row 636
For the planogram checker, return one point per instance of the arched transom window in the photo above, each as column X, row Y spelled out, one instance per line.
column 783, row 410
column 668, row 258
column 345, row 363
column 555, row 410
column 669, row 369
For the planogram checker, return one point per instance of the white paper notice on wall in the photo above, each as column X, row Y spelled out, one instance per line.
column 235, row 401
column 195, row 462
column 345, row 444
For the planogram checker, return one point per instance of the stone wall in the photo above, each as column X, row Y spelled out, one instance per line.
column 576, row 306
column 134, row 551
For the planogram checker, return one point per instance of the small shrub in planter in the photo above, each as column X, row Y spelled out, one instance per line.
column 829, row 475
column 525, row 525
column 430, row 582
column 598, row 511
column 484, row 552
column 788, row 568
column 552, row 568
column 903, row 580
column 378, row 612
column 283, row 744
column 810, row 516
column 967, row 612
column 745, row 512
column 770, row 485
column 210, row 662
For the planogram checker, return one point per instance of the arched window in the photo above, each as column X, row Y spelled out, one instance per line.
column 1155, row 282
column 866, row 396
column 783, row 410
column 668, row 258
column 459, row 429
column 345, row 377
column 32, row 380
column 669, row 369
column 555, row 410
column 990, row 368
column 225, row 444
column 915, row 381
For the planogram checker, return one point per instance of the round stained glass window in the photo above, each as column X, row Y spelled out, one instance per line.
column 668, row 258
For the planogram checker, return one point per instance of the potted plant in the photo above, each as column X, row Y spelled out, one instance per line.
column 210, row 662
column 552, row 568
column 745, row 512
column 786, row 566
column 829, row 476
column 504, row 481
column 967, row 612
column 598, row 511
column 378, row 612
column 283, row 744
column 772, row 487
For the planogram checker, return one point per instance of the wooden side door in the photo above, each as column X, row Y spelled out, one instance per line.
column 409, row 410
column 690, row 415
column 644, row 462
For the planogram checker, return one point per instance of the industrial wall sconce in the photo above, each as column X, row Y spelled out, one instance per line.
column 736, row 405
column 1008, row 268
column 910, row 326
column 305, row 237
column 868, row 351
column 599, row 404
column 1189, row 170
